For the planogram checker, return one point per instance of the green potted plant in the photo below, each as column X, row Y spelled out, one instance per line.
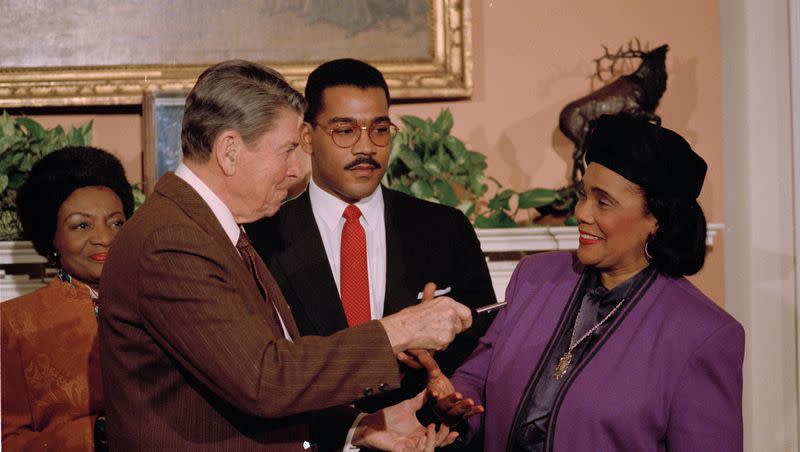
column 23, row 141
column 429, row 163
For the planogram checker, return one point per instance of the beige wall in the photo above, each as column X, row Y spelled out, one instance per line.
column 530, row 59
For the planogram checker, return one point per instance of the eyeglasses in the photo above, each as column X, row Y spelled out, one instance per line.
column 347, row 134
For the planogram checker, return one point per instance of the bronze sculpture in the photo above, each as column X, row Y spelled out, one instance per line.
column 637, row 94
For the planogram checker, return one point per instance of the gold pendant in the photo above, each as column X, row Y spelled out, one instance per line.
column 563, row 365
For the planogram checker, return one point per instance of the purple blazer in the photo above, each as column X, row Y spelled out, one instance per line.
column 667, row 377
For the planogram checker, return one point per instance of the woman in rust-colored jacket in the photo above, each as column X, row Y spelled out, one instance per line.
column 71, row 207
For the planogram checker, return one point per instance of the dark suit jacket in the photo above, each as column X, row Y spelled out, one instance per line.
column 424, row 242
column 193, row 357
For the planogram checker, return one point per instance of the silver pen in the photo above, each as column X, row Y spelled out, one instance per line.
column 490, row 307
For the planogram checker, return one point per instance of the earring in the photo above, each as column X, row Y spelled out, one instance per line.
column 53, row 257
column 647, row 254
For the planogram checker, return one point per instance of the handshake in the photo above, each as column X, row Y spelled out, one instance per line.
column 412, row 332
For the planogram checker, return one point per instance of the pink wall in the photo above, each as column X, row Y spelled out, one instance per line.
column 531, row 57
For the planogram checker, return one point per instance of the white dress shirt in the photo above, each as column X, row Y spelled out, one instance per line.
column 328, row 211
column 223, row 215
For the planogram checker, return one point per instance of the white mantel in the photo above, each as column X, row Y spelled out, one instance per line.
column 536, row 239
column 508, row 240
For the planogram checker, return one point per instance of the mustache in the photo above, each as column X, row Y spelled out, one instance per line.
column 362, row 160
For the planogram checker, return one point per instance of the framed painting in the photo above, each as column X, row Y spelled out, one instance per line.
column 110, row 53
column 162, row 114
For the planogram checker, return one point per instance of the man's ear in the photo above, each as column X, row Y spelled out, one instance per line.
column 226, row 150
column 305, row 138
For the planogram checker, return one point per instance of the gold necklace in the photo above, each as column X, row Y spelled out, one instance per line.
column 566, row 359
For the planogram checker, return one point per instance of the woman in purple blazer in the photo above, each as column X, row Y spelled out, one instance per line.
column 611, row 348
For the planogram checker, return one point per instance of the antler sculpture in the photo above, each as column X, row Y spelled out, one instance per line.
column 636, row 94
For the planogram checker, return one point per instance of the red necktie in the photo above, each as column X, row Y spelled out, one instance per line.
column 354, row 278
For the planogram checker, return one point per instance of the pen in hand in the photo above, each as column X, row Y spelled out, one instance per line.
column 490, row 307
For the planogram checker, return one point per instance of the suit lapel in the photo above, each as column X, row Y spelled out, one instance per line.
column 398, row 296
column 276, row 297
column 193, row 205
column 188, row 200
column 308, row 271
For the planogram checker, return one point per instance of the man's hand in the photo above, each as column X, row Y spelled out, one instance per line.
column 396, row 428
column 430, row 325
column 448, row 404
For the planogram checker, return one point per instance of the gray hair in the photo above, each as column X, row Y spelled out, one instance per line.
column 238, row 95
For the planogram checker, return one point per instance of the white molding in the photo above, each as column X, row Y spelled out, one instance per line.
column 19, row 252
column 529, row 239
column 547, row 238
column 535, row 239
column 13, row 286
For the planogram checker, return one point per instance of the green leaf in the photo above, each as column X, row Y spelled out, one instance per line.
column 496, row 220
column 3, row 182
column 445, row 193
column 10, row 229
column 411, row 160
column 138, row 194
column 35, row 130
column 11, row 141
column 394, row 150
column 26, row 163
column 536, row 197
column 466, row 206
column 413, row 122
column 571, row 221
column 500, row 200
column 16, row 180
column 456, row 148
column 477, row 188
column 422, row 189
column 403, row 189
column 431, row 167
column 7, row 124
column 86, row 131
column 74, row 137
column 444, row 122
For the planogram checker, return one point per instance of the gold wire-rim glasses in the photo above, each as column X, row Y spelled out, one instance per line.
column 346, row 134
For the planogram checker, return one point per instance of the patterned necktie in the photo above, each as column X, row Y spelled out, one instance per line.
column 354, row 278
column 266, row 284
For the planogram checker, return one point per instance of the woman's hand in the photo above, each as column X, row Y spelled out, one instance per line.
column 397, row 429
column 447, row 403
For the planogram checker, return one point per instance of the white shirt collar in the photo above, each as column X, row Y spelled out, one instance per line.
column 330, row 208
column 221, row 211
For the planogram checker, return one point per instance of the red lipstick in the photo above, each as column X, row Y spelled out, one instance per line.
column 99, row 257
column 587, row 239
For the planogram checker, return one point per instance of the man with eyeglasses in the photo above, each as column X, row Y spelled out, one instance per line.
column 348, row 250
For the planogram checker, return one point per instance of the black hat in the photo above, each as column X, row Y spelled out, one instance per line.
column 654, row 158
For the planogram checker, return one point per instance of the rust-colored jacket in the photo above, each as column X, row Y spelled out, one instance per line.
column 51, row 388
column 195, row 359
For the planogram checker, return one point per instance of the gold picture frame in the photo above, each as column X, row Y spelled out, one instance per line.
column 445, row 71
